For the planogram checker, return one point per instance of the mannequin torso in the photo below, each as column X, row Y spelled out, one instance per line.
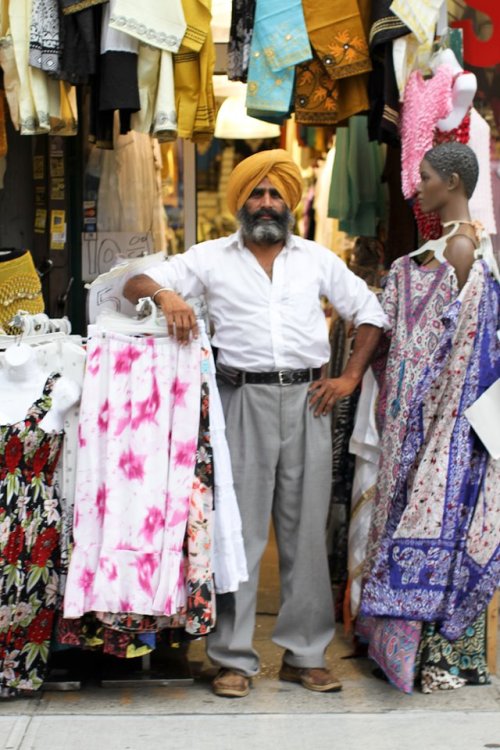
column 464, row 89
column 21, row 383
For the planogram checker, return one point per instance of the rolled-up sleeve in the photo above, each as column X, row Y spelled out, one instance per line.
column 350, row 295
column 183, row 273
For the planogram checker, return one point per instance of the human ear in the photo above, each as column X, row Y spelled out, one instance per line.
column 454, row 181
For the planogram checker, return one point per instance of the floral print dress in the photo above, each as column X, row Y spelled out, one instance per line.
column 30, row 518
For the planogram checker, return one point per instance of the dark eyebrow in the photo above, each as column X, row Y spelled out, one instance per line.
column 258, row 192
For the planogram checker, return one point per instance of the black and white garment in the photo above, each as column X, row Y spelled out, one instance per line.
column 45, row 36
column 240, row 39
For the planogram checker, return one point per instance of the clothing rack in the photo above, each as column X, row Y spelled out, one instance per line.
column 35, row 329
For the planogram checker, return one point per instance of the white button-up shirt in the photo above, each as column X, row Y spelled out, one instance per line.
column 261, row 324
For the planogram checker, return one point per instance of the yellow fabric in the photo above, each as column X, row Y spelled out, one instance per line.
column 337, row 34
column 420, row 17
column 204, row 124
column 194, row 96
column 77, row 5
column 133, row 650
column 67, row 121
column 187, row 88
column 198, row 16
column 275, row 164
column 20, row 289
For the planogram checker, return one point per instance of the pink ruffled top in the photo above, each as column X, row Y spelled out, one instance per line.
column 426, row 101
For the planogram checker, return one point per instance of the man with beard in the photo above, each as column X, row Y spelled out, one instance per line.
column 263, row 287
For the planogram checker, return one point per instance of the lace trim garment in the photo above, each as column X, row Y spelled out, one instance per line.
column 153, row 22
column 45, row 36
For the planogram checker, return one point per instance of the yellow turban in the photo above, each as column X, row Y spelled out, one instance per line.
column 275, row 164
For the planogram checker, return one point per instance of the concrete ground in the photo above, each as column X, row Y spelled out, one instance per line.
column 367, row 713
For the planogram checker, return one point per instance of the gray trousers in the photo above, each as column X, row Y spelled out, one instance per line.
column 281, row 460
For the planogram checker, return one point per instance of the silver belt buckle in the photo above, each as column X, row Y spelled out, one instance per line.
column 285, row 377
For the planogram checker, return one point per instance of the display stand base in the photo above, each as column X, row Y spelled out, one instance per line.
column 166, row 667
column 73, row 669
column 59, row 680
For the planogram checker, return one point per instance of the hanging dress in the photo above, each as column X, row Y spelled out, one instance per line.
column 130, row 634
column 30, row 519
column 137, row 450
column 414, row 298
column 434, row 557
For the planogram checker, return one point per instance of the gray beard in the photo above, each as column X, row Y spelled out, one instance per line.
column 266, row 231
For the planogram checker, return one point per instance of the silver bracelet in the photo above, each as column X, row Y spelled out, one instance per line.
column 162, row 289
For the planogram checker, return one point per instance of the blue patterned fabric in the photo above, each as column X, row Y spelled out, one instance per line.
column 446, row 568
column 279, row 42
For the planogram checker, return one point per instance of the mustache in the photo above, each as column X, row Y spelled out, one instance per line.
column 267, row 213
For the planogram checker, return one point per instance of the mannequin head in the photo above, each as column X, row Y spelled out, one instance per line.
column 448, row 176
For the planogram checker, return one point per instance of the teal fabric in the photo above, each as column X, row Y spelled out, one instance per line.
column 281, row 33
column 279, row 42
column 276, row 118
column 268, row 91
column 357, row 196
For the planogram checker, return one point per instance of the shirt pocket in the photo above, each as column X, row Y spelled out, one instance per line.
column 303, row 291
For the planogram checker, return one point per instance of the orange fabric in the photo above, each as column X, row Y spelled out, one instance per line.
column 329, row 93
column 277, row 165
column 322, row 100
column 337, row 35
